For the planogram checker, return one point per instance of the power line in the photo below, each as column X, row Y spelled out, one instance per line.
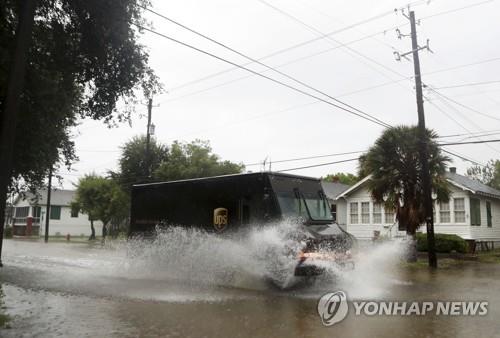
column 342, row 94
column 457, row 9
column 463, row 105
column 319, row 165
column 482, row 133
column 308, row 158
column 463, row 157
column 263, row 64
column 356, row 52
column 458, row 123
column 304, row 43
column 371, row 118
column 277, row 67
column 470, row 121
column 287, row 49
column 323, row 35
column 463, row 65
column 468, row 142
column 471, row 84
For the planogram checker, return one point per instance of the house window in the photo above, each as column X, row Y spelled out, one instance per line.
column 74, row 212
column 389, row 215
column 365, row 212
column 37, row 211
column 377, row 213
column 444, row 212
column 459, row 210
column 475, row 211
column 488, row 214
column 55, row 212
column 21, row 214
column 353, row 211
column 333, row 210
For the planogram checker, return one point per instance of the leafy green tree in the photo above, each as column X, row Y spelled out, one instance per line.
column 101, row 199
column 84, row 58
column 344, row 178
column 133, row 162
column 489, row 175
column 394, row 165
column 193, row 160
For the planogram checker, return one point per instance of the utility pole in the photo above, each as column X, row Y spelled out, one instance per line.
column 47, row 211
column 148, row 140
column 422, row 134
column 11, row 104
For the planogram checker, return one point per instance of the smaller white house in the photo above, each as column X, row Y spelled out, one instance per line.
column 472, row 212
column 29, row 215
column 337, row 206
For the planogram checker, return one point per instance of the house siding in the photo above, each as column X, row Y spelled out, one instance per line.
column 483, row 231
column 74, row 226
column 462, row 229
column 341, row 213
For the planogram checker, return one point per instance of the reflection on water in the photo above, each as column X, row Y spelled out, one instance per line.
column 207, row 287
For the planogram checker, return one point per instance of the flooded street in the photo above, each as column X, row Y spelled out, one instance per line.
column 68, row 289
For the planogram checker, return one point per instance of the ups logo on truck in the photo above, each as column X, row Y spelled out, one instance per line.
column 220, row 218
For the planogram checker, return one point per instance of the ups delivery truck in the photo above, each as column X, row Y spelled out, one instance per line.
column 227, row 204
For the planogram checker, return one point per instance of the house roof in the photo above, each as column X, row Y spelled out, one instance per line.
column 57, row 197
column 354, row 187
column 460, row 181
column 333, row 189
column 471, row 185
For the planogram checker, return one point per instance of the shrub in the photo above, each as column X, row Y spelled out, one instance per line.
column 444, row 243
column 7, row 232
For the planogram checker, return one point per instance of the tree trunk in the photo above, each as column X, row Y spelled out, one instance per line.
column 411, row 256
column 92, row 235
column 104, row 230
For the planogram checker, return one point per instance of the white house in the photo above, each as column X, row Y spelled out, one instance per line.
column 338, row 207
column 29, row 215
column 472, row 212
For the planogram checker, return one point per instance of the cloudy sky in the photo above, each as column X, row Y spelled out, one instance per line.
column 248, row 118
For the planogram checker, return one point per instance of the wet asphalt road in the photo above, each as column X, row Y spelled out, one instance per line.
column 74, row 290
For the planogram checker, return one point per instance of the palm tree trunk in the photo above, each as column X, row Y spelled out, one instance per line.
column 412, row 248
column 92, row 235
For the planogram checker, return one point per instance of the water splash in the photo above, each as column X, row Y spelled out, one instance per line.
column 190, row 255
column 192, row 265
column 374, row 274
column 255, row 256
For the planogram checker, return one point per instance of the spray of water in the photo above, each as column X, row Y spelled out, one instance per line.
column 374, row 275
column 254, row 257
column 194, row 256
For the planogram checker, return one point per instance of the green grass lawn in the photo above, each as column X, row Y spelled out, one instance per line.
column 4, row 321
column 492, row 256
column 443, row 263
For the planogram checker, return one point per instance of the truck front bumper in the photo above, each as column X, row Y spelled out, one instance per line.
column 305, row 268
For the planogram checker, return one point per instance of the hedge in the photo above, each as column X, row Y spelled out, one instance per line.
column 7, row 232
column 444, row 243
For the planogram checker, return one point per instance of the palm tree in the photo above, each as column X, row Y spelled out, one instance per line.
column 394, row 165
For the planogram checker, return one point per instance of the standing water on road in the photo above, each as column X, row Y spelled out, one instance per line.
column 191, row 283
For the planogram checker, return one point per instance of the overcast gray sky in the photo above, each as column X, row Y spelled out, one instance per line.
column 247, row 118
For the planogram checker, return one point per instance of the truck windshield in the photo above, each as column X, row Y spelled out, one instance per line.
column 317, row 206
column 292, row 205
